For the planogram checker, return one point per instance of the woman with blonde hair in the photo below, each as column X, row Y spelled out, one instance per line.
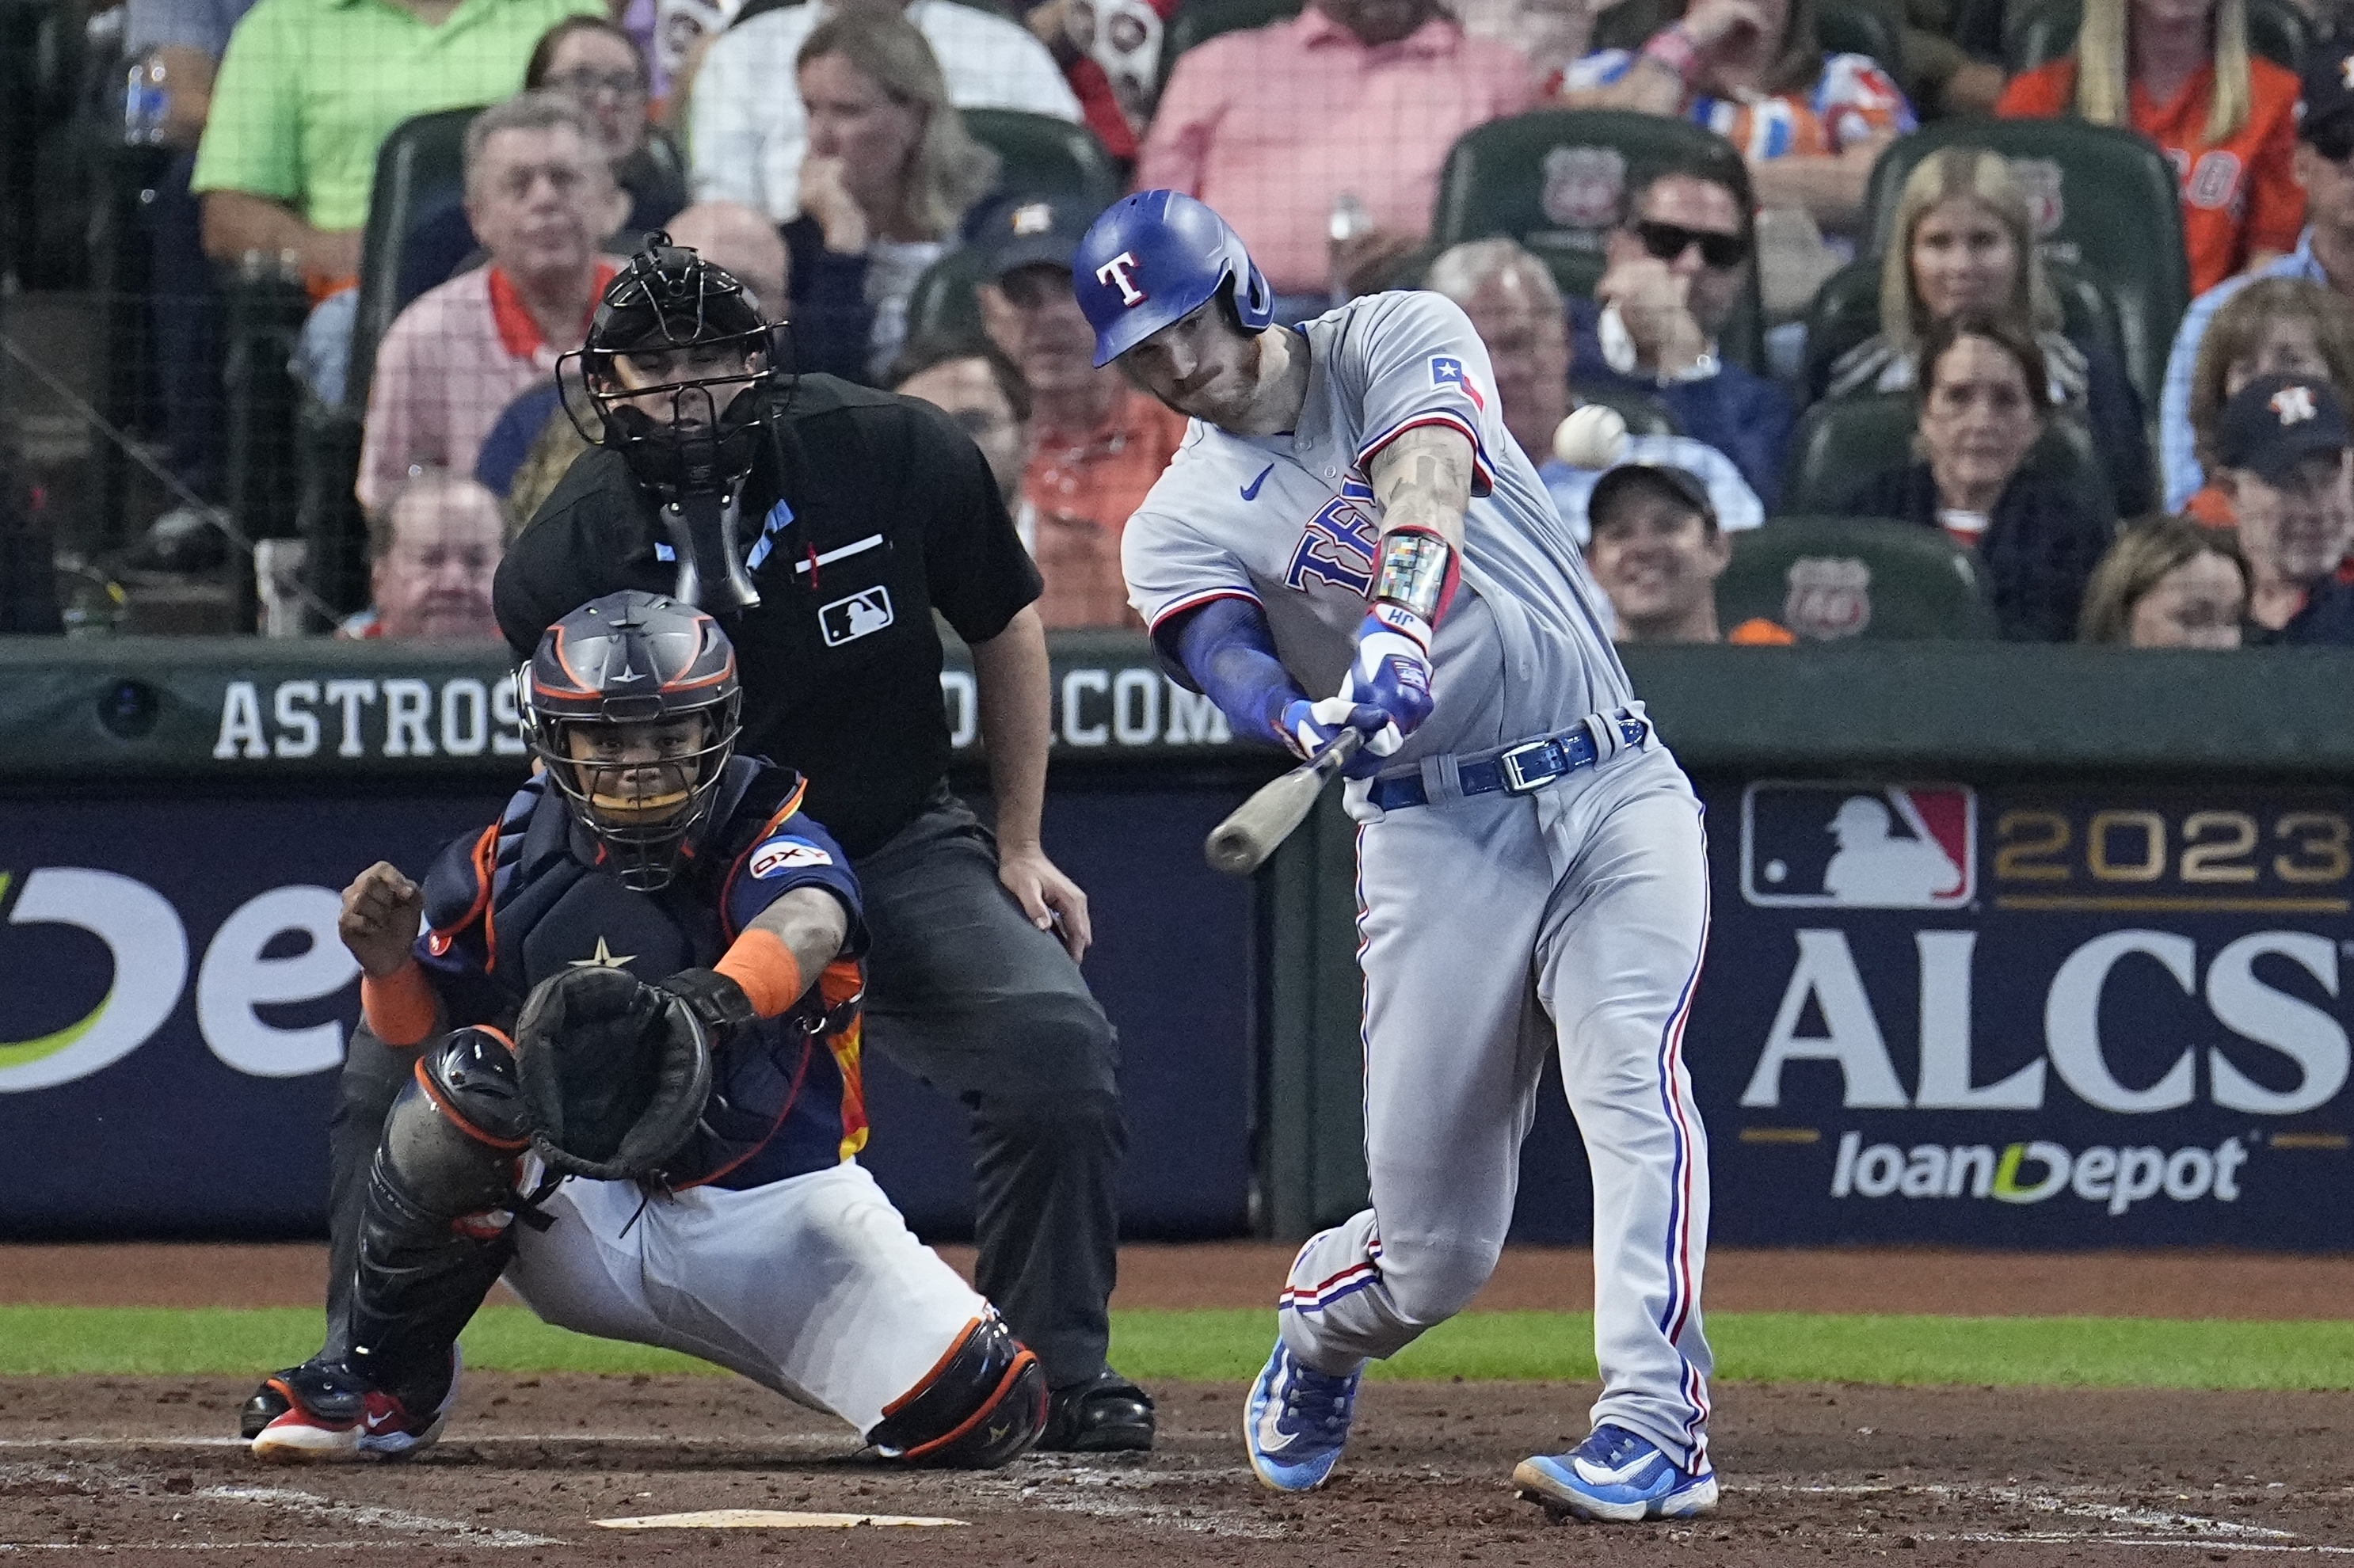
column 2274, row 326
column 2180, row 71
column 889, row 174
column 1965, row 241
column 2167, row 583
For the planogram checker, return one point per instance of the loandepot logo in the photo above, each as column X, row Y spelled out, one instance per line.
column 147, row 947
column 2031, row 1173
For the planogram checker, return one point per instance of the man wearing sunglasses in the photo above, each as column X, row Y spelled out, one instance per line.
column 1679, row 263
column 2324, row 255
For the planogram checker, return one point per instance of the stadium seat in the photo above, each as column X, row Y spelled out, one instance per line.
column 943, row 303
column 1553, row 180
column 1976, row 25
column 2038, row 31
column 421, row 166
column 1830, row 578
column 1644, row 416
column 1843, row 26
column 1046, row 156
column 1846, row 312
column 1838, row 446
column 2107, row 204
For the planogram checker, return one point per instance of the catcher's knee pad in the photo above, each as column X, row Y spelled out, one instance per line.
column 457, row 1126
column 431, row 1240
column 982, row 1405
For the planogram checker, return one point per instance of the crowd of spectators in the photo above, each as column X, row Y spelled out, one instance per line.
column 821, row 151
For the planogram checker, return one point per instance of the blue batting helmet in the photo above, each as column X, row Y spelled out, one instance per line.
column 1155, row 258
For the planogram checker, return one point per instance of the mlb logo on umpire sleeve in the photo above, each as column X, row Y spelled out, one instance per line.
column 848, row 619
column 1858, row 846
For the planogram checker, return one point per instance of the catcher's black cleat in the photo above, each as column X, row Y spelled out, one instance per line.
column 1105, row 1414
column 269, row 1401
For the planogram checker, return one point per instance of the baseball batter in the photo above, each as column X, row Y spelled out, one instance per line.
column 1348, row 515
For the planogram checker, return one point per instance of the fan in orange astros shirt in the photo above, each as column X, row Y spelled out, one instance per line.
column 2180, row 72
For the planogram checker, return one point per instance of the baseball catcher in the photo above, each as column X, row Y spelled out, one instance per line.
column 635, row 1005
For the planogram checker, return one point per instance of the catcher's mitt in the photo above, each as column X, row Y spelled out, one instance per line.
column 614, row 1073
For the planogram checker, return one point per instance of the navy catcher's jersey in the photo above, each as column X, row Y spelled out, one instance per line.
column 1289, row 523
column 530, row 897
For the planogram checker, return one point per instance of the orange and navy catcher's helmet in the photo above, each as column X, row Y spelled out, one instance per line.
column 634, row 659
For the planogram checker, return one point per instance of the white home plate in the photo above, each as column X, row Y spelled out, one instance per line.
column 765, row 1519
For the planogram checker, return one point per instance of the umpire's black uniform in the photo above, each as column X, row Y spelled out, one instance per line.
column 876, row 511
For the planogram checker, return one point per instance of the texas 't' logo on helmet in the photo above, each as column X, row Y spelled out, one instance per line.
column 1119, row 273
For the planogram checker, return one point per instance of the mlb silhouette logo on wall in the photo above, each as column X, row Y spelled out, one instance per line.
column 1858, row 846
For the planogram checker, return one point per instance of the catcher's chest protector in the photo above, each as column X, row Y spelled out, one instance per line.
column 782, row 1103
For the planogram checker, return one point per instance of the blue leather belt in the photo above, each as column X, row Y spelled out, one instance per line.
column 1516, row 769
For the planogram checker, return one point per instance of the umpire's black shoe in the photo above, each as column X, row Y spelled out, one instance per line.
column 1105, row 1414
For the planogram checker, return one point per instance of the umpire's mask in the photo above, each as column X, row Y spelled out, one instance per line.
column 670, row 378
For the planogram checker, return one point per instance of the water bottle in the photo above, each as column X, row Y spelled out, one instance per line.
column 144, row 101
column 1348, row 220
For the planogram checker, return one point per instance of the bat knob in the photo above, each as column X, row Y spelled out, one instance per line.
column 1232, row 850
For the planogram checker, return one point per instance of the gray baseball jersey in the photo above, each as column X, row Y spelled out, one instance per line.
column 1494, row 927
column 1290, row 522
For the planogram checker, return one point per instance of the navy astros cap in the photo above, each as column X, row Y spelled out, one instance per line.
column 1680, row 484
column 1029, row 231
column 2275, row 423
column 2326, row 93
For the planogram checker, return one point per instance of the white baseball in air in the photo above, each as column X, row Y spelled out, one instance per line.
column 1591, row 437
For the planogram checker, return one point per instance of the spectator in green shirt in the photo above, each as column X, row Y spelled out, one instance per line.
column 307, row 93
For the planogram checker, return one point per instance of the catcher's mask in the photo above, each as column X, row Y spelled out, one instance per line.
column 633, row 706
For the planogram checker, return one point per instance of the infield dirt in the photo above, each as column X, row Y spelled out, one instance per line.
column 144, row 1470
column 138, row 1472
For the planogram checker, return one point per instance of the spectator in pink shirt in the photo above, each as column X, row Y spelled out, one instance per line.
column 540, row 195
column 1361, row 98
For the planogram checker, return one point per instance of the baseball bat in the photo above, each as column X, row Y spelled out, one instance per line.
column 1240, row 844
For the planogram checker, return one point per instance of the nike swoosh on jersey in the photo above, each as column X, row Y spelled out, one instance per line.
column 1250, row 491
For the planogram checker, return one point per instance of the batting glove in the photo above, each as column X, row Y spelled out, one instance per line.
column 1392, row 670
column 1309, row 727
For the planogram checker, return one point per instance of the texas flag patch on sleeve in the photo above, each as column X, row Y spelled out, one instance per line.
column 775, row 856
column 1446, row 370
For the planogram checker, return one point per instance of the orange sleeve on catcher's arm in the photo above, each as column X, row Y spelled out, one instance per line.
column 399, row 1007
column 761, row 963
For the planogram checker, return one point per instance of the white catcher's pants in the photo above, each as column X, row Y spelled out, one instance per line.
column 1494, row 928
column 812, row 1285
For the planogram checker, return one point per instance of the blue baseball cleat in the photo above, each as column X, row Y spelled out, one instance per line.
column 1296, row 1421
column 1618, row 1476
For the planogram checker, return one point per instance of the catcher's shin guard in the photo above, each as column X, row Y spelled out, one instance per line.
column 433, row 1237
column 984, row 1404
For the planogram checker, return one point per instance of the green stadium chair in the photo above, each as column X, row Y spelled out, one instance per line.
column 2040, row 31
column 421, row 166
column 1976, row 25
column 1044, row 156
column 1832, row 579
column 2109, row 206
column 1552, row 179
column 944, row 303
column 1644, row 416
column 1843, row 26
column 1874, row 27
column 1846, row 312
column 1838, row 446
